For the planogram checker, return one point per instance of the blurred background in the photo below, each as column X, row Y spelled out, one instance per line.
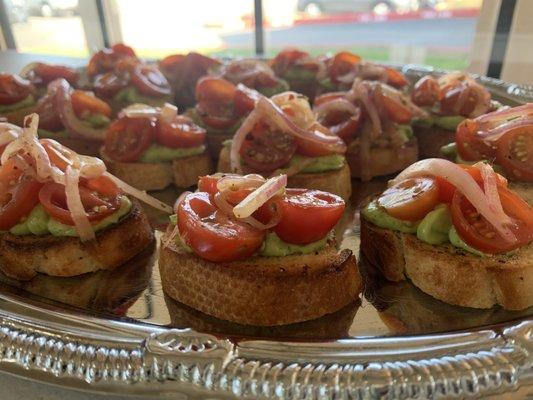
column 436, row 32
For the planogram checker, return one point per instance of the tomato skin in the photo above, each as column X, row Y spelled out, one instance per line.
column 109, row 84
column 208, row 184
column 479, row 234
column 149, row 80
column 105, row 59
column 23, row 198
column 243, row 103
column 395, row 78
column 211, row 234
column 215, row 93
column 86, row 102
column 13, row 88
column 450, row 95
column 286, row 59
column 343, row 124
column 52, row 196
column 469, row 146
column 103, row 185
column 426, row 91
column 411, row 199
column 46, row 73
column 307, row 215
column 181, row 132
column 127, row 138
column 393, row 109
column 341, row 64
column 515, row 153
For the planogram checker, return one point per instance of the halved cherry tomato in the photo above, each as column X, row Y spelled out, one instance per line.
column 515, row 153
column 243, row 102
column 127, row 138
column 286, row 59
column 87, row 103
column 211, row 234
column 343, row 124
column 475, row 230
column 174, row 63
column 469, row 146
column 105, row 59
column 46, row 73
column 411, row 199
column 266, row 150
column 53, row 198
column 150, row 80
column 447, row 190
column 208, row 184
column 426, row 91
column 392, row 104
column 48, row 116
column 215, row 95
column 18, row 201
column 13, row 88
column 104, row 186
column 452, row 94
column 307, row 215
column 180, row 132
column 341, row 64
column 395, row 78
column 109, row 84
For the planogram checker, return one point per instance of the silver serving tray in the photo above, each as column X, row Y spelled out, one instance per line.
column 116, row 332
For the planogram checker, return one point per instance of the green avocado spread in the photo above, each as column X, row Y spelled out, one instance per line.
column 95, row 121
column 130, row 95
column 157, row 153
column 38, row 222
column 447, row 122
column 299, row 74
column 273, row 246
column 27, row 102
column 44, row 133
column 435, row 228
column 272, row 90
column 330, row 162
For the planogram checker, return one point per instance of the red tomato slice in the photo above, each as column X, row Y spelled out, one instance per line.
column 47, row 73
column 104, row 186
column 211, row 234
column 451, row 95
column 478, row 233
column 149, row 80
column 266, row 150
column 395, row 78
column 105, row 59
column 515, row 153
column 13, row 88
column 48, row 116
column 109, row 84
column 181, row 132
column 127, row 138
column 53, row 198
column 391, row 105
column 426, row 91
column 343, row 124
column 341, row 64
column 469, row 146
column 286, row 59
column 208, row 184
column 86, row 103
column 243, row 103
column 18, row 202
column 307, row 215
column 58, row 154
column 411, row 199
column 216, row 96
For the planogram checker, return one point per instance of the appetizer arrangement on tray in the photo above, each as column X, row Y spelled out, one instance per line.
column 287, row 136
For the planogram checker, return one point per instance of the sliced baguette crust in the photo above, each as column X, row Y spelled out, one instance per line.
column 450, row 274
column 22, row 257
column 183, row 172
column 385, row 160
column 262, row 291
column 337, row 182
column 431, row 139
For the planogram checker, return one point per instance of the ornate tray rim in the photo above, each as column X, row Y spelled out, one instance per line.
column 82, row 352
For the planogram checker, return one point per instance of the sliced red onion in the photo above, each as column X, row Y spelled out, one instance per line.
column 507, row 114
column 68, row 117
column 339, row 104
column 141, row 111
column 236, row 182
column 8, row 133
column 496, row 133
column 467, row 186
column 238, row 71
column 359, row 91
column 260, row 196
column 490, row 186
column 27, row 69
column 240, row 137
column 75, row 205
column 223, row 205
column 168, row 112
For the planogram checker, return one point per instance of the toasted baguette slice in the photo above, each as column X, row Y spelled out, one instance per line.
column 22, row 257
column 337, row 182
column 262, row 291
column 183, row 172
column 450, row 274
column 431, row 139
column 16, row 117
column 385, row 160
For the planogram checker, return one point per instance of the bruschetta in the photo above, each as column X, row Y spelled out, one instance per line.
column 17, row 98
